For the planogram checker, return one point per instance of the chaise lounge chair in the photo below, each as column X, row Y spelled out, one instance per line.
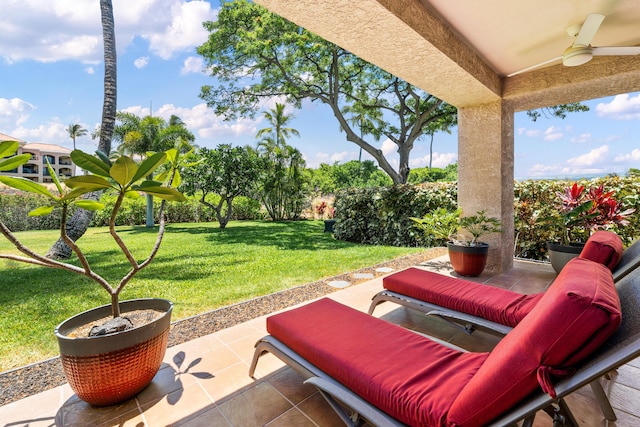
column 470, row 305
column 370, row 369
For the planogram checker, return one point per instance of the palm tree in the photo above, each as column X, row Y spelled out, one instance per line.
column 79, row 222
column 75, row 131
column 278, row 120
column 140, row 135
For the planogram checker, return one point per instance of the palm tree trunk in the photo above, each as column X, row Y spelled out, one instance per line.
column 79, row 222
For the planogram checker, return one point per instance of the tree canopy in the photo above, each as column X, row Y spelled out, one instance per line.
column 256, row 55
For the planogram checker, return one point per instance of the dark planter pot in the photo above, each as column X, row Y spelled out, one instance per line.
column 328, row 225
column 109, row 369
column 560, row 255
column 468, row 260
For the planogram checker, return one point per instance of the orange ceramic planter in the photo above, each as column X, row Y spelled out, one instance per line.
column 468, row 260
column 109, row 369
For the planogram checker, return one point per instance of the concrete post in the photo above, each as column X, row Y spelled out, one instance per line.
column 485, row 173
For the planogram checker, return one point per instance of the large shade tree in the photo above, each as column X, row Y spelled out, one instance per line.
column 80, row 220
column 256, row 55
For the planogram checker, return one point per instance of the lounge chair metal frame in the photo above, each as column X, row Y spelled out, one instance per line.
column 621, row 348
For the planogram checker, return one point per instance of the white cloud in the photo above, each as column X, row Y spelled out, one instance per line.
column 540, row 170
column 342, row 157
column 597, row 155
column 14, row 112
column 203, row 122
column 193, row 64
column 90, row 70
column 141, row 62
column 582, row 138
column 185, row 29
column 388, row 147
column 621, row 107
column 440, row 160
column 53, row 132
column 59, row 30
column 634, row 156
column 552, row 133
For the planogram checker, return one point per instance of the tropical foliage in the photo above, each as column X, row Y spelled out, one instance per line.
column 124, row 176
column 255, row 55
column 227, row 171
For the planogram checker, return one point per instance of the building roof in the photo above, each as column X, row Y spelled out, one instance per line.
column 5, row 137
column 50, row 148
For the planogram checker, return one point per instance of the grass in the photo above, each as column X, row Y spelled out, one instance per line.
column 199, row 267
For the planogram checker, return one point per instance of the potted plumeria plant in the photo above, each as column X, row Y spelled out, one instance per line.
column 468, row 255
column 579, row 213
column 110, row 353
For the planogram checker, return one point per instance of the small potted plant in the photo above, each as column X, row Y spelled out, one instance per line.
column 468, row 255
column 327, row 213
column 126, row 342
column 579, row 213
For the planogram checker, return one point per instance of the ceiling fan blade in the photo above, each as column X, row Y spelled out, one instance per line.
column 533, row 67
column 589, row 29
column 616, row 50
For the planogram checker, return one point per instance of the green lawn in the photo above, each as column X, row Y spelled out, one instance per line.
column 199, row 268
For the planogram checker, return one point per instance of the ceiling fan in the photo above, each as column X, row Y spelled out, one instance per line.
column 581, row 51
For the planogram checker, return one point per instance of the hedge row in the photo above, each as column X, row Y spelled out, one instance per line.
column 364, row 215
column 15, row 208
column 381, row 215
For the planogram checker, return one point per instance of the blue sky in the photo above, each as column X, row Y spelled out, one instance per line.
column 51, row 73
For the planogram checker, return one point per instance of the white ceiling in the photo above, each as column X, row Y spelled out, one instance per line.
column 512, row 35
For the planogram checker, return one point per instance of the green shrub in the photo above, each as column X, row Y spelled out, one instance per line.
column 381, row 215
column 535, row 200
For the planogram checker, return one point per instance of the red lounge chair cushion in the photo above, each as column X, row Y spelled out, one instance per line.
column 604, row 247
column 488, row 302
column 578, row 312
column 410, row 377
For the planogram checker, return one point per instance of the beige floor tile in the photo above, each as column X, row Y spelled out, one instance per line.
column 291, row 385
column 228, row 382
column 256, row 406
column 38, row 410
column 177, row 406
column 75, row 412
column 237, row 332
column 208, row 418
column 317, row 408
column 293, row 417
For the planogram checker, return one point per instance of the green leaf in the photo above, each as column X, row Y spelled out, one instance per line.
column 90, row 163
column 124, row 170
column 8, row 148
column 165, row 193
column 149, row 183
column 25, row 185
column 14, row 162
column 54, row 177
column 149, row 165
column 88, row 183
column 162, row 176
column 104, row 158
column 177, row 180
column 90, row 205
column 41, row 211
column 132, row 195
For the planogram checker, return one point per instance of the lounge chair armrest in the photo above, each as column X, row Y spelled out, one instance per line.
column 332, row 389
column 477, row 321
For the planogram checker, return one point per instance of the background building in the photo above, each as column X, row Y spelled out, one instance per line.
column 36, row 168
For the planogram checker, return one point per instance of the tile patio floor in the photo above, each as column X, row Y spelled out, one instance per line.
column 205, row 382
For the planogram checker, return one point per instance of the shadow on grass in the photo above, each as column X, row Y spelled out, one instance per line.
column 289, row 235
